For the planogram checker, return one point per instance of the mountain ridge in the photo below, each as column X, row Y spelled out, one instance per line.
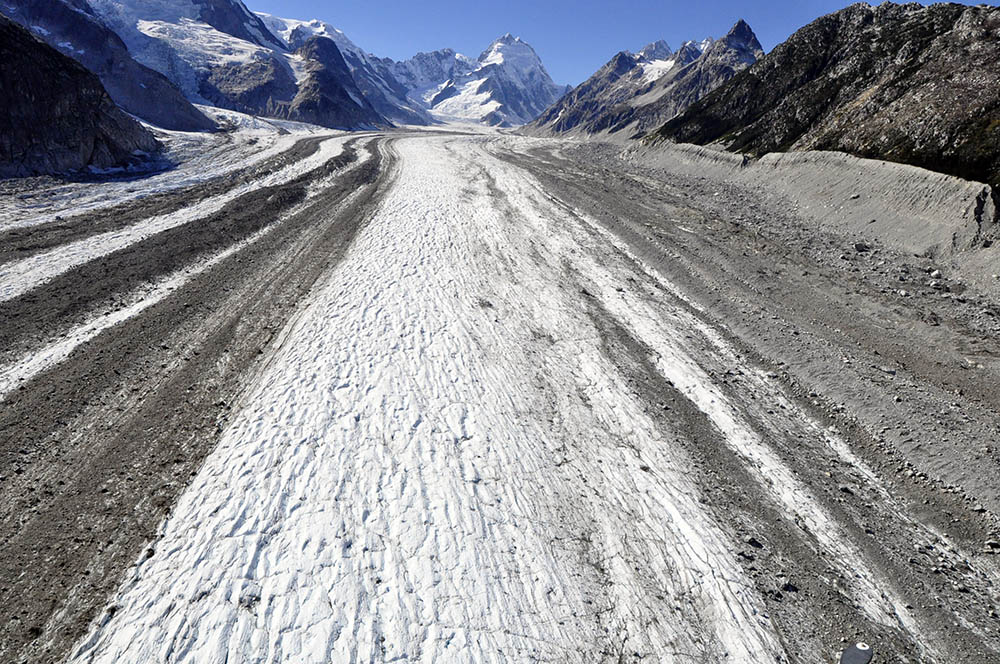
column 633, row 93
column 876, row 82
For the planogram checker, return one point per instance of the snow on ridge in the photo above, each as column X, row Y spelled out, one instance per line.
column 653, row 71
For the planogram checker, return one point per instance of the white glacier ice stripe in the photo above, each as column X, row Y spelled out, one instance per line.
column 14, row 376
column 19, row 277
column 419, row 475
column 676, row 363
column 200, row 157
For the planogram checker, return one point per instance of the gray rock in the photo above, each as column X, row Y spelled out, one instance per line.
column 627, row 96
column 71, row 27
column 56, row 115
column 904, row 83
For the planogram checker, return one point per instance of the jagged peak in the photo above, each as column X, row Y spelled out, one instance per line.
column 510, row 48
column 658, row 50
column 507, row 39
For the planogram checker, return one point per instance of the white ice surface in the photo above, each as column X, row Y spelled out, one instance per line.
column 441, row 464
column 200, row 157
column 18, row 277
column 653, row 71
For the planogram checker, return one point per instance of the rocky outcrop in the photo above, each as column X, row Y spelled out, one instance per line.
column 71, row 27
column 635, row 93
column 251, row 87
column 233, row 18
column 902, row 83
column 56, row 115
column 328, row 95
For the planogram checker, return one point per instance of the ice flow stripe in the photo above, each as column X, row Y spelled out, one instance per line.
column 19, row 277
column 439, row 466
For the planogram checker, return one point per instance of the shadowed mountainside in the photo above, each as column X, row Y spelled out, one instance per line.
column 56, row 115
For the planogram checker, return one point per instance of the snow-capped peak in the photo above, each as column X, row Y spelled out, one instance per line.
column 511, row 51
column 295, row 32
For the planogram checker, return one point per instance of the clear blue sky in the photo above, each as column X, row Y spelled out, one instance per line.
column 573, row 37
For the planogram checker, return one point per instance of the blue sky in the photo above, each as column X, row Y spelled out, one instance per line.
column 573, row 38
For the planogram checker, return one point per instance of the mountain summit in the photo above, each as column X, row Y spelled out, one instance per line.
column 636, row 93
column 506, row 85
column 658, row 50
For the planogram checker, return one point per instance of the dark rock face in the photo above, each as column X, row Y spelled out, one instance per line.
column 370, row 75
column 631, row 94
column 328, row 96
column 903, row 83
column 235, row 19
column 56, row 115
column 71, row 27
column 250, row 87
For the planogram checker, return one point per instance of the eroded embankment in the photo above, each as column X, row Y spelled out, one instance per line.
column 903, row 207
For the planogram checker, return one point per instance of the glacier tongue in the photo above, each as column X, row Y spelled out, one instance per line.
column 442, row 464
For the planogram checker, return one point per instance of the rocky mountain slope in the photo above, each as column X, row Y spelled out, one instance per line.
column 71, row 27
column 373, row 76
column 634, row 93
column 903, row 83
column 327, row 94
column 220, row 53
column 55, row 115
column 507, row 85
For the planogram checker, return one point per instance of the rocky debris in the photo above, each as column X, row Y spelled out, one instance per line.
column 635, row 93
column 56, row 115
column 903, row 83
column 71, row 27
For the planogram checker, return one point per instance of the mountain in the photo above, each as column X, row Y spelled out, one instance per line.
column 903, row 83
column 372, row 75
column 220, row 53
column 635, row 93
column 71, row 27
column 507, row 85
column 56, row 115
column 327, row 95
column 658, row 50
column 423, row 74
